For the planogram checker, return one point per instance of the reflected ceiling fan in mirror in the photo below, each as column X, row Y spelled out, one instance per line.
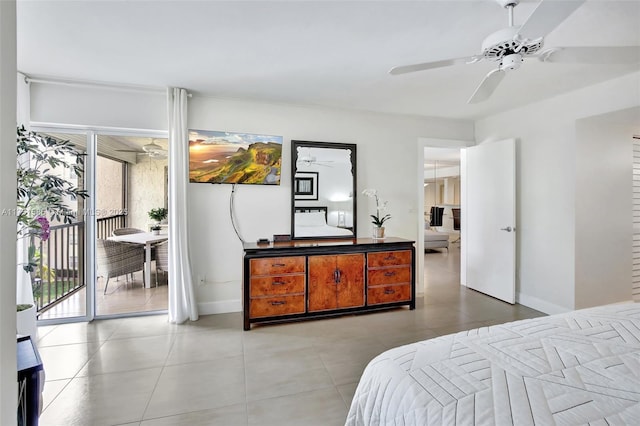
column 509, row 47
column 310, row 160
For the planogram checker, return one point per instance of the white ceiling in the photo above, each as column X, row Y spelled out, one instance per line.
column 333, row 53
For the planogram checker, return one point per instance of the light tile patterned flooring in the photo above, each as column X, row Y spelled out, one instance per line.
column 143, row 371
column 121, row 297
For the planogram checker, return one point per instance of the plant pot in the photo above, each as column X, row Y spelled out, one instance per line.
column 156, row 232
column 378, row 232
column 26, row 322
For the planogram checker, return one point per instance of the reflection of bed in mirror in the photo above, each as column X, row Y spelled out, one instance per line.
column 312, row 222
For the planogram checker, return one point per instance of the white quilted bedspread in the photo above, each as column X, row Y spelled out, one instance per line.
column 571, row 369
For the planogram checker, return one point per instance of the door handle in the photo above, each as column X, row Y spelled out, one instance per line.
column 508, row 229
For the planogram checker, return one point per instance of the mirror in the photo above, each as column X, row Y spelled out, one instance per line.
column 323, row 190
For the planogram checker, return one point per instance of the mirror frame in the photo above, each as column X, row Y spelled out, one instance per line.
column 295, row 144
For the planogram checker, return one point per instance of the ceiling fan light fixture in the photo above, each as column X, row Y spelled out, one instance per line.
column 152, row 147
column 511, row 62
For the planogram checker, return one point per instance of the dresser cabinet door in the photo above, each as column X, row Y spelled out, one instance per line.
column 350, row 286
column 322, row 283
column 336, row 281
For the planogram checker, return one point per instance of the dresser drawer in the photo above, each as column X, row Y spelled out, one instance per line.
column 277, row 265
column 274, row 306
column 389, row 258
column 392, row 275
column 276, row 285
column 388, row 294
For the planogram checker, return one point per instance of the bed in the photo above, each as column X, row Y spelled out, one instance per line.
column 312, row 222
column 581, row 367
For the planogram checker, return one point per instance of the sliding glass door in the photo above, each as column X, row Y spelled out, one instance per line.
column 125, row 176
column 131, row 180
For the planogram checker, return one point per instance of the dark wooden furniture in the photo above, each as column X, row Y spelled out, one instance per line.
column 30, row 382
column 296, row 280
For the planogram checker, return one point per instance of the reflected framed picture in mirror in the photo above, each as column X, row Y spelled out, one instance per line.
column 305, row 185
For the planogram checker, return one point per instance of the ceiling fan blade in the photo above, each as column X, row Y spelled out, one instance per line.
column 592, row 55
column 404, row 69
column 487, row 87
column 546, row 17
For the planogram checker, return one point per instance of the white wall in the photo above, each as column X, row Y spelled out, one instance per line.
column 146, row 190
column 604, row 223
column 8, row 386
column 98, row 107
column 386, row 162
column 546, row 184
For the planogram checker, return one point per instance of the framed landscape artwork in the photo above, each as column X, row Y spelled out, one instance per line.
column 230, row 157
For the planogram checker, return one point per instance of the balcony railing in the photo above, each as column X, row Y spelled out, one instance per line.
column 62, row 260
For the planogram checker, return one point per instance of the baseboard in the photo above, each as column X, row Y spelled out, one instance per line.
column 540, row 305
column 220, row 307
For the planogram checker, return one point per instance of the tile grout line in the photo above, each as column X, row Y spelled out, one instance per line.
column 155, row 386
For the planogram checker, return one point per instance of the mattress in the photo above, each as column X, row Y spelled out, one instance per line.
column 321, row 231
column 581, row 368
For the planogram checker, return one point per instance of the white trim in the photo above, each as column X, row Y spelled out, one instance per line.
column 92, row 84
column 220, row 307
column 104, row 130
column 540, row 305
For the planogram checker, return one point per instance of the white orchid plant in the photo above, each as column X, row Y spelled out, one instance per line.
column 377, row 219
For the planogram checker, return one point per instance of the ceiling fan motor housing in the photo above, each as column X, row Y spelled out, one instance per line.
column 505, row 42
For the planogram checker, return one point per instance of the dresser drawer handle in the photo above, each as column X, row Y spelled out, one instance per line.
column 278, row 283
column 390, row 257
column 389, row 274
column 389, row 291
column 278, row 303
column 278, row 265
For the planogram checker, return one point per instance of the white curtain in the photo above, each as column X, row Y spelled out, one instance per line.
column 182, row 303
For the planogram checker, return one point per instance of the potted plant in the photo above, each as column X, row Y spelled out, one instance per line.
column 41, row 197
column 377, row 219
column 158, row 214
column 155, row 229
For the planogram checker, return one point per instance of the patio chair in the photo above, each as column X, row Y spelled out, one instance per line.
column 115, row 259
column 125, row 231
column 162, row 259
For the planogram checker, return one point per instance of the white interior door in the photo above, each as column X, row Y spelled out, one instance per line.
column 489, row 222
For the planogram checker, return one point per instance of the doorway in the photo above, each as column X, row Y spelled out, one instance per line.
column 124, row 182
column 451, row 148
column 442, row 198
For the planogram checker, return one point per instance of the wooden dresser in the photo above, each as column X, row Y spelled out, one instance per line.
column 309, row 279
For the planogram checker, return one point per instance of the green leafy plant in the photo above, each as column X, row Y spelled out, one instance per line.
column 42, row 193
column 377, row 219
column 158, row 214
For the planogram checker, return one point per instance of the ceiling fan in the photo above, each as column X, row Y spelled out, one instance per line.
column 308, row 160
column 510, row 46
column 153, row 150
